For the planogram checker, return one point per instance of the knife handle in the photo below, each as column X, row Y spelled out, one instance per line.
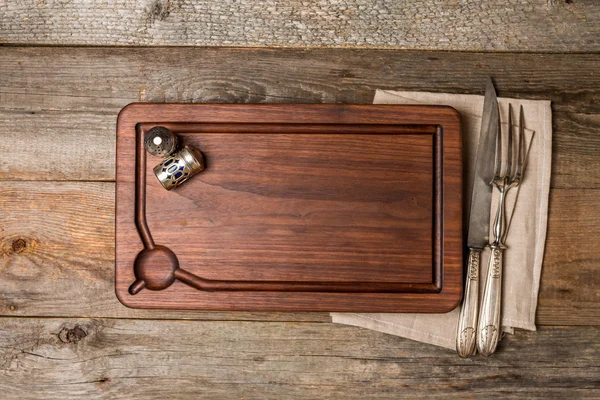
column 488, row 330
column 467, row 320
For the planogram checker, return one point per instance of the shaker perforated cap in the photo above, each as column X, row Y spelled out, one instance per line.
column 160, row 141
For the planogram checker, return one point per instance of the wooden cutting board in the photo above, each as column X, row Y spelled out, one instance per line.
column 300, row 208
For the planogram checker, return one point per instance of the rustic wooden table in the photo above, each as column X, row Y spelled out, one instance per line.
column 64, row 76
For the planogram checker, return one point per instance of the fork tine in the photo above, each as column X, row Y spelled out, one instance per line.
column 522, row 145
column 517, row 144
column 498, row 166
column 509, row 150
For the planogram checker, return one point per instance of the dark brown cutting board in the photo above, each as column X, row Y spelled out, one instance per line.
column 300, row 208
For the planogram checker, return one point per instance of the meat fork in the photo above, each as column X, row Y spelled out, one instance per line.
column 509, row 168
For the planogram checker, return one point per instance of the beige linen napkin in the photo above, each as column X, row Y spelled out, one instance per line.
column 527, row 235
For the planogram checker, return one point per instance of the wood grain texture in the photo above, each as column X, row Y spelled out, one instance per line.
column 569, row 290
column 60, row 98
column 528, row 25
column 124, row 359
column 60, row 104
column 330, row 207
column 64, row 225
column 62, row 95
column 105, row 79
column 57, row 255
column 253, row 183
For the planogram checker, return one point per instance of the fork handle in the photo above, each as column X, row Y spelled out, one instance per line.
column 467, row 321
column 488, row 329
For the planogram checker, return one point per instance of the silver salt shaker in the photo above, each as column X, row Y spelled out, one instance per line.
column 179, row 167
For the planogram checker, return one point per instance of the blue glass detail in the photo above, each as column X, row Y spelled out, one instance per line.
column 177, row 174
column 181, row 168
column 172, row 168
column 168, row 162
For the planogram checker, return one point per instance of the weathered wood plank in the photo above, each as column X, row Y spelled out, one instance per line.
column 108, row 358
column 36, row 145
column 567, row 294
column 57, row 257
column 61, row 103
column 529, row 25
column 105, row 79
column 57, row 145
column 575, row 146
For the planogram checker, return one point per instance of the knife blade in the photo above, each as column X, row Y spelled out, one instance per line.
column 479, row 221
column 481, row 196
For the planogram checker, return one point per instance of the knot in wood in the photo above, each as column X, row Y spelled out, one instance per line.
column 19, row 245
column 71, row 335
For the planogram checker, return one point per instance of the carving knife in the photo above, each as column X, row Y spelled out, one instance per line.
column 479, row 221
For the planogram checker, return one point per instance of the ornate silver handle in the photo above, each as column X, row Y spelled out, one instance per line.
column 467, row 321
column 489, row 319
